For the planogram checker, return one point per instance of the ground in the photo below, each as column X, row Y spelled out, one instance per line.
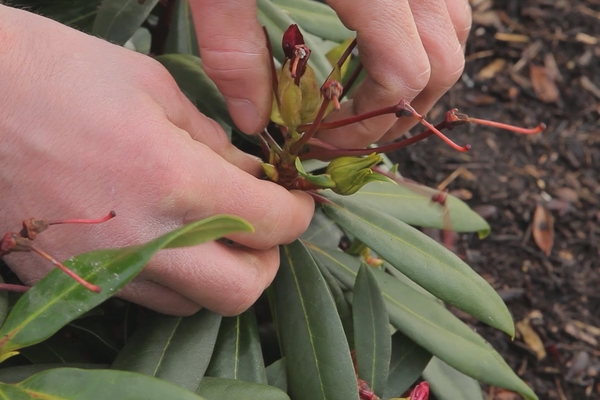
column 529, row 62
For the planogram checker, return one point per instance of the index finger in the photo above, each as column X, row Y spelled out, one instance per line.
column 394, row 58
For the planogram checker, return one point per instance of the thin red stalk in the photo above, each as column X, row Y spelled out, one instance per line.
column 13, row 288
column 318, row 198
column 350, row 82
column 347, row 121
column 328, row 155
column 517, row 129
column 67, row 271
column 423, row 121
column 341, row 61
column 296, row 147
column 321, row 144
column 110, row 215
column 274, row 81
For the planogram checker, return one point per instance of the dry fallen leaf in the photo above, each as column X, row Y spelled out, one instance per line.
column 490, row 70
column 543, row 84
column 577, row 333
column 531, row 338
column 543, row 229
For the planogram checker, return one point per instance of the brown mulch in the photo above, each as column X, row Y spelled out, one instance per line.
column 529, row 62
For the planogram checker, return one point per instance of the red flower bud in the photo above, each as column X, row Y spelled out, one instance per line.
column 291, row 38
column 420, row 392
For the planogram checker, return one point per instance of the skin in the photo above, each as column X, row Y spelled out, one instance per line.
column 107, row 128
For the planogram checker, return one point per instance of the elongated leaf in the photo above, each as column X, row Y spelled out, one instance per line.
column 174, row 349
column 317, row 18
column 57, row 299
column 407, row 363
column 276, row 22
column 81, row 384
column 277, row 375
column 411, row 203
column 342, row 305
column 311, row 334
column 231, row 389
column 182, row 35
column 323, row 230
column 117, row 20
column 79, row 14
column 372, row 341
column 198, row 87
column 237, row 353
column 54, row 350
column 449, row 384
column 430, row 325
column 424, row 261
column 22, row 372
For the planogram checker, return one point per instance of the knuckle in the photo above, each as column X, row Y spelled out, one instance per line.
column 453, row 66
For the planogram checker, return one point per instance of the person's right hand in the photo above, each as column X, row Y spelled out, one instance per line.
column 87, row 127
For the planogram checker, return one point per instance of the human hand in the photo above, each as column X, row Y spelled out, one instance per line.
column 411, row 51
column 87, row 126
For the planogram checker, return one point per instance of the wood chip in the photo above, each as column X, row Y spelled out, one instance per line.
column 578, row 334
column 490, row 70
column 588, row 85
column 531, row 338
column 511, row 37
column 592, row 330
column 543, row 84
column 543, row 229
column 585, row 38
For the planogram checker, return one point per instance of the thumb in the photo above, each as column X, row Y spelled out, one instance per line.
column 234, row 55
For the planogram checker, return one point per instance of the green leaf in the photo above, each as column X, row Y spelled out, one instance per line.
column 174, row 349
column 198, row 87
column 341, row 304
column 117, row 20
column 80, row 384
column 430, row 324
column 411, row 203
column 54, row 350
column 424, row 261
column 57, row 299
column 372, row 341
column 317, row 18
column 276, row 23
column 230, row 389
column 182, row 35
column 449, row 384
column 277, row 375
column 323, row 230
column 22, row 372
column 407, row 363
column 237, row 354
column 311, row 334
column 79, row 14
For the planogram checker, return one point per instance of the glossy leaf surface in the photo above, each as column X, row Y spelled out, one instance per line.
column 182, row 35
column 117, row 20
column 407, row 363
column 449, row 384
column 231, row 389
column 57, row 299
column 430, row 324
column 277, row 375
column 81, row 384
column 372, row 341
column 411, row 203
column 237, row 353
column 174, row 349
column 311, row 334
column 424, row 261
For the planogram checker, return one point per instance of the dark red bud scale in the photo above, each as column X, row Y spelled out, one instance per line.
column 291, row 38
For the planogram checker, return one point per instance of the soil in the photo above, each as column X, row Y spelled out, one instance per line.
column 529, row 62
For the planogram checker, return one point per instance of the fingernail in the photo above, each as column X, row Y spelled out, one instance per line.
column 245, row 115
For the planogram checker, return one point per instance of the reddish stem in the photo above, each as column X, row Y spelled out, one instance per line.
column 347, row 121
column 107, row 217
column 296, row 147
column 7, row 287
column 274, row 81
column 352, row 79
column 66, row 270
column 517, row 129
column 328, row 155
